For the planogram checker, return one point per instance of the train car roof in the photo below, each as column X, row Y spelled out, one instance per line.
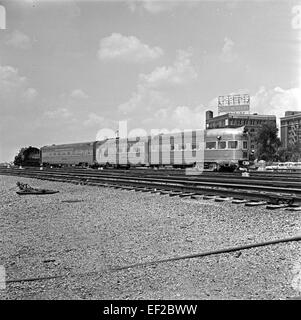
column 68, row 144
column 221, row 131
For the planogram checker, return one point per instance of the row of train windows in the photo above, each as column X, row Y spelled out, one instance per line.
column 223, row 145
column 164, row 147
column 188, row 147
column 69, row 153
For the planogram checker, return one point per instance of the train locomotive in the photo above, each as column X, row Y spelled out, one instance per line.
column 216, row 149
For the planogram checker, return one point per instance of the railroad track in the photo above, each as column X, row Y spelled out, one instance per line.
column 261, row 191
column 292, row 176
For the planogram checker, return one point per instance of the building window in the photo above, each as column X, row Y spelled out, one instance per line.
column 245, row 144
column 210, row 145
column 222, row 145
column 232, row 144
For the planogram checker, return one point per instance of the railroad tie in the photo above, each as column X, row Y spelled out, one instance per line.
column 174, row 193
column 164, row 192
column 276, row 206
column 185, row 195
column 209, row 197
column 222, row 199
column 293, row 209
column 255, row 203
column 238, row 201
column 197, row 197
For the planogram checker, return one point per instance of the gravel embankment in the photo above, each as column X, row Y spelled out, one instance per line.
column 41, row 235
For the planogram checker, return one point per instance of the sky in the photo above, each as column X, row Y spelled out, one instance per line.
column 71, row 69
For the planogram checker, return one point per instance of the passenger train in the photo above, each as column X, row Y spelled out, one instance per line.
column 215, row 149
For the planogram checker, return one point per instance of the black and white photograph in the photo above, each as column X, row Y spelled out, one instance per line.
column 150, row 150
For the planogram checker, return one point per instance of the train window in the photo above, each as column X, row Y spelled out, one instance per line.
column 245, row 144
column 211, row 145
column 222, row 145
column 232, row 144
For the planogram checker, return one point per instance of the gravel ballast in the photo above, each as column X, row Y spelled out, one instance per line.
column 99, row 229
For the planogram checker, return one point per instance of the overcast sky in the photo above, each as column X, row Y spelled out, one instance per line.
column 71, row 68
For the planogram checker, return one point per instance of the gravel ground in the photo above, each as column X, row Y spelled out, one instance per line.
column 107, row 228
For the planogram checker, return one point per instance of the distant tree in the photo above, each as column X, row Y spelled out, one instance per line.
column 292, row 153
column 19, row 157
column 267, row 143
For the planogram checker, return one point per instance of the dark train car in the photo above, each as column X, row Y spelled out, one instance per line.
column 78, row 154
column 28, row 157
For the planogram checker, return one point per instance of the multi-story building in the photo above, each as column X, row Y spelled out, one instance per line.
column 290, row 128
column 252, row 123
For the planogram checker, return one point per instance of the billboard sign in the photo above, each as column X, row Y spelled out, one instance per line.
column 239, row 103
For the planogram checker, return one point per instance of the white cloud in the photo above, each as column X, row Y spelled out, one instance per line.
column 180, row 73
column 10, row 79
column 14, row 88
column 30, row 93
column 151, row 94
column 78, row 94
column 158, row 6
column 178, row 118
column 58, row 113
column 276, row 101
column 19, row 39
column 129, row 49
column 94, row 119
column 228, row 53
column 144, row 100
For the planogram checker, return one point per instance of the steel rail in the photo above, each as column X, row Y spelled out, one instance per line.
column 159, row 261
column 167, row 180
column 253, row 192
